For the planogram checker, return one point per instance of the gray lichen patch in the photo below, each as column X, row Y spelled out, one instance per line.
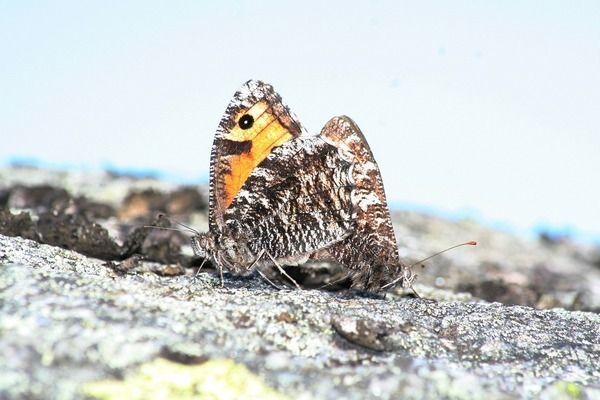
column 67, row 320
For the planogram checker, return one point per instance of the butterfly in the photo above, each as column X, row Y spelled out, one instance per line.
column 281, row 196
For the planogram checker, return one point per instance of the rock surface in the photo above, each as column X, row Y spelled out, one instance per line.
column 69, row 322
column 66, row 319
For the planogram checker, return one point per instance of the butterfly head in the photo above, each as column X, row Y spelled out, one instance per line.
column 223, row 250
column 403, row 277
column 204, row 245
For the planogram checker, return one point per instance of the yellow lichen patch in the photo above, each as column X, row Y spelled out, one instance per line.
column 241, row 165
column 571, row 390
column 163, row 379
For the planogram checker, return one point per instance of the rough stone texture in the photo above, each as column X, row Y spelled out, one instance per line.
column 66, row 319
column 540, row 272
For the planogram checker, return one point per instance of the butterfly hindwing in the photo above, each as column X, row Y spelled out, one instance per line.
column 370, row 252
column 296, row 201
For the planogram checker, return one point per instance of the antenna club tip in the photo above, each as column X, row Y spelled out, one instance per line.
column 472, row 243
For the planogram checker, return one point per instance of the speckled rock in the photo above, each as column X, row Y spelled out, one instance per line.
column 67, row 320
column 543, row 272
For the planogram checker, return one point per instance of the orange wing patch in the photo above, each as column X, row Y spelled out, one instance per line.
column 266, row 133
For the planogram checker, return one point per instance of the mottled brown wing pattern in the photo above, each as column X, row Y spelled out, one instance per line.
column 276, row 189
column 370, row 252
column 297, row 201
column 255, row 122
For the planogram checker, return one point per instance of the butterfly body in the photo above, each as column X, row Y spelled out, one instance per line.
column 280, row 194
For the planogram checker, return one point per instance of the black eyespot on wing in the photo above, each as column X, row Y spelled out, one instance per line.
column 246, row 121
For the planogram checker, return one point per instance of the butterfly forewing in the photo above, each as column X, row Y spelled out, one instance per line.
column 255, row 122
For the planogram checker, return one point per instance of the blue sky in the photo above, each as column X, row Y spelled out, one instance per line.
column 483, row 108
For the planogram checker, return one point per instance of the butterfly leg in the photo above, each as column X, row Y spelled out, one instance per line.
column 343, row 278
column 220, row 266
column 415, row 292
column 282, row 271
column 201, row 265
column 260, row 272
column 268, row 280
column 256, row 260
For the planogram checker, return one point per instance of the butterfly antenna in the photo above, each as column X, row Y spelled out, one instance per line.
column 469, row 243
column 333, row 282
column 395, row 281
column 174, row 221
column 164, row 228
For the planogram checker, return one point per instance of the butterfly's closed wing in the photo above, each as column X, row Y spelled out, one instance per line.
column 276, row 189
column 370, row 252
column 273, row 187
column 296, row 201
column 255, row 122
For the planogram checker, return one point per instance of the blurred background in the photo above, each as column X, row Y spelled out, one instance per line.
column 485, row 110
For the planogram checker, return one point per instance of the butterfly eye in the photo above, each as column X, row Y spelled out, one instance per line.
column 246, row 121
